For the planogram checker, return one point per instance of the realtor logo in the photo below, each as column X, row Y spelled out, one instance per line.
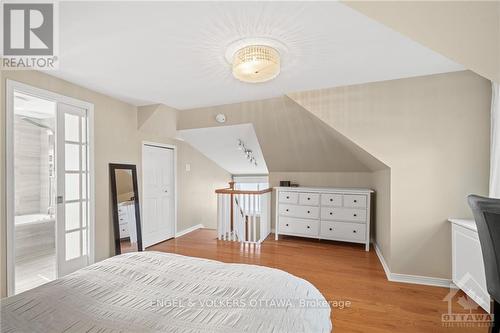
column 29, row 36
column 471, row 315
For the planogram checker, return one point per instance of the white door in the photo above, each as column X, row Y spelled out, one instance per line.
column 158, row 197
column 72, row 189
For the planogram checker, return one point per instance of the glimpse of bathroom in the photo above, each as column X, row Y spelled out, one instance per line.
column 35, row 191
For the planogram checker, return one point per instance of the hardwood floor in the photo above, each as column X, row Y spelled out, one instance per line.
column 342, row 272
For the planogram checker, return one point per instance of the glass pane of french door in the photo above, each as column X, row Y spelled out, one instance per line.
column 73, row 182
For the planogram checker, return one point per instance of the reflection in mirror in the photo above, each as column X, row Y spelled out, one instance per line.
column 125, row 208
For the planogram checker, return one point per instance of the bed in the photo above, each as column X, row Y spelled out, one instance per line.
column 164, row 292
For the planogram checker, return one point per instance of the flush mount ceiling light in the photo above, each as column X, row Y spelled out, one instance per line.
column 255, row 60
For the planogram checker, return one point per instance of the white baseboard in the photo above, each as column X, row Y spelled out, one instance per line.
column 415, row 279
column 188, row 230
column 382, row 261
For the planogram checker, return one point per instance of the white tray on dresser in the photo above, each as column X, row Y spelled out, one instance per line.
column 341, row 214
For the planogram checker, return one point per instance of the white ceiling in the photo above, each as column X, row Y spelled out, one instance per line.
column 220, row 144
column 173, row 52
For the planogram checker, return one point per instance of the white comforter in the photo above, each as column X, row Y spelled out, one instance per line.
column 162, row 292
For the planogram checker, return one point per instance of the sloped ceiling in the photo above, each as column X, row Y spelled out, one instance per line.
column 468, row 32
column 220, row 144
column 291, row 138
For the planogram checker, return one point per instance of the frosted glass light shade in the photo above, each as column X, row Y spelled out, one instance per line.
column 256, row 63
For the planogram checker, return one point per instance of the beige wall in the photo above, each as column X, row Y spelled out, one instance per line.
column 433, row 133
column 118, row 140
column 197, row 202
column 291, row 138
column 468, row 32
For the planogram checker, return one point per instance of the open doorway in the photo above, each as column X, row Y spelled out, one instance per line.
column 34, row 191
column 49, row 186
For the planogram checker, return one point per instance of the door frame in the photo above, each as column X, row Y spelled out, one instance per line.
column 10, row 87
column 159, row 145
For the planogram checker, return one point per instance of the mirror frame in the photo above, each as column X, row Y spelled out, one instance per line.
column 114, row 204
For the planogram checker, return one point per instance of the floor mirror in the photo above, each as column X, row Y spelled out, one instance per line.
column 125, row 207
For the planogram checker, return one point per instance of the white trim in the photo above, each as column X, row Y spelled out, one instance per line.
column 382, row 261
column 161, row 145
column 10, row 87
column 188, row 230
column 414, row 279
column 9, row 173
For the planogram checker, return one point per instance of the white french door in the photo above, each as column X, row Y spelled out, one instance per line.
column 158, row 165
column 72, row 189
column 74, row 241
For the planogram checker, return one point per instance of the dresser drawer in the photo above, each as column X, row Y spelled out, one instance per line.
column 343, row 231
column 328, row 199
column 288, row 197
column 299, row 211
column 311, row 199
column 299, row 226
column 124, row 231
column 355, row 201
column 343, row 214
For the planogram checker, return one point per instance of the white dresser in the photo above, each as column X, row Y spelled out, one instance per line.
column 126, row 217
column 467, row 261
column 341, row 214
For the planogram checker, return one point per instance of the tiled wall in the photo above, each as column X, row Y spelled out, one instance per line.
column 31, row 168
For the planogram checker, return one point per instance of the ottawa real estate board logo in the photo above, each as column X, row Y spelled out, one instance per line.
column 29, row 35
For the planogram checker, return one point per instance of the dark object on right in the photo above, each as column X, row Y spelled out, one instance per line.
column 487, row 215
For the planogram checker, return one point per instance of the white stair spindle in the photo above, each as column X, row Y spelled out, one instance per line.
column 254, row 218
column 219, row 216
